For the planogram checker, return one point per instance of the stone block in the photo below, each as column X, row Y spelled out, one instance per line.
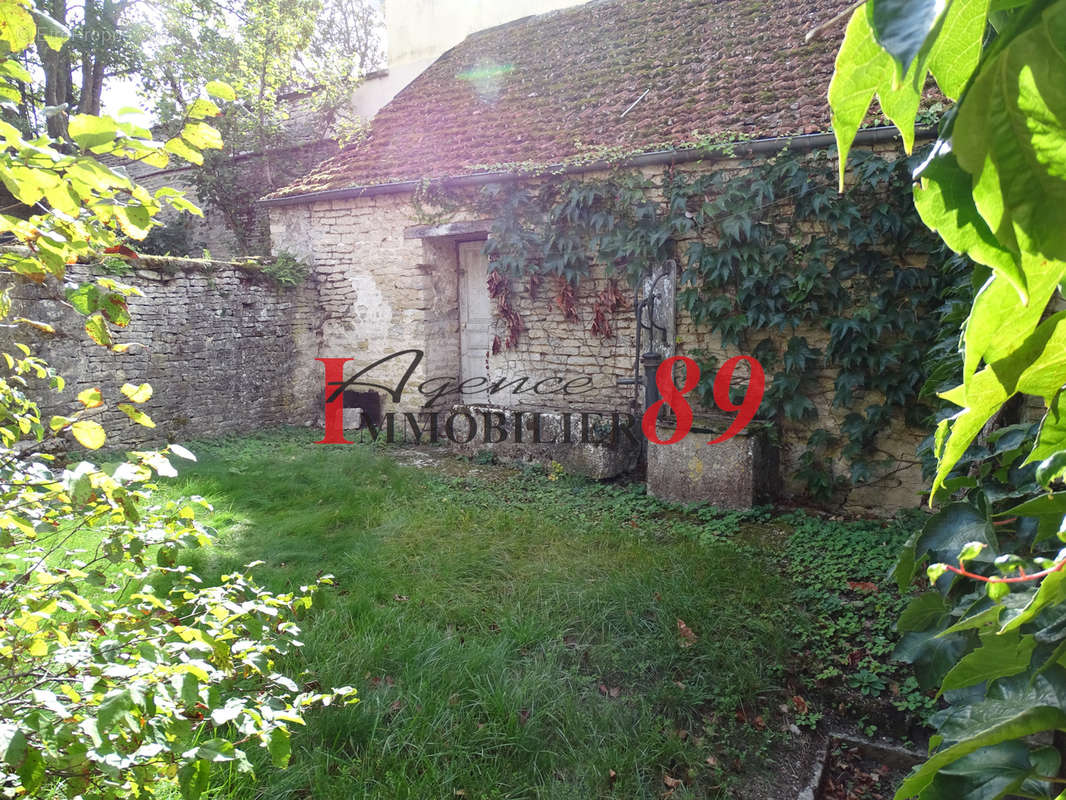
column 601, row 456
column 740, row 472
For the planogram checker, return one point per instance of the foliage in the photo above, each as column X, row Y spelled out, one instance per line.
column 774, row 260
column 287, row 270
column 172, row 238
column 846, row 637
column 291, row 88
column 120, row 670
column 988, row 631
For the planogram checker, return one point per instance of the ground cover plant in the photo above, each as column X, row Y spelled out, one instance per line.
column 524, row 633
column 988, row 631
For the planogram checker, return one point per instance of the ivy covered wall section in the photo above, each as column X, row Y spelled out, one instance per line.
column 837, row 295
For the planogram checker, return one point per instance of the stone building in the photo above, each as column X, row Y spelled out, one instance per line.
column 647, row 85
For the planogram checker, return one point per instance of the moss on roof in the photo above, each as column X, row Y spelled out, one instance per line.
column 619, row 75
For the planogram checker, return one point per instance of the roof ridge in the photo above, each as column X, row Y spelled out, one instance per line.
column 528, row 17
column 560, row 86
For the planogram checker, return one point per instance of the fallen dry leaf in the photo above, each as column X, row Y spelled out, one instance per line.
column 686, row 633
column 863, row 586
column 672, row 783
column 400, row 598
column 800, row 704
column 396, row 706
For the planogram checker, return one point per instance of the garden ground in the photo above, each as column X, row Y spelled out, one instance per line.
column 521, row 633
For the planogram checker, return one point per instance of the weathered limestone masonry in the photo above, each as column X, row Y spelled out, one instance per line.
column 216, row 341
column 381, row 292
column 378, row 292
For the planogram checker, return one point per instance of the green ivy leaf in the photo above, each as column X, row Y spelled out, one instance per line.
column 957, row 51
column 1052, row 592
column 1015, row 708
column 864, row 69
column 932, row 654
column 948, row 532
column 944, row 199
column 924, row 611
column 986, row 774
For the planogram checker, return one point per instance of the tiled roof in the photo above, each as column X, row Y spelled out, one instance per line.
column 622, row 76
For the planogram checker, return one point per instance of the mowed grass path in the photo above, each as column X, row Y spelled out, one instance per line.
column 510, row 636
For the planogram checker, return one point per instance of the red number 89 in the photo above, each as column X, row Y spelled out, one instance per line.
column 674, row 398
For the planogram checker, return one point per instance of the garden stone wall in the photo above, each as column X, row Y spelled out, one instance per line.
column 382, row 292
column 216, row 341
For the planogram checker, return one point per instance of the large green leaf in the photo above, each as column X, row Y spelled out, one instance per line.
column 863, row 69
column 91, row 131
column 985, row 774
column 944, row 199
column 984, row 394
column 1001, row 318
column 1045, row 354
column 948, row 531
column 957, row 51
column 194, row 778
column 924, row 611
column 999, row 656
column 902, row 26
column 1010, row 134
column 931, row 654
column 1045, row 505
column 1052, row 592
column 1015, row 708
column 1052, row 436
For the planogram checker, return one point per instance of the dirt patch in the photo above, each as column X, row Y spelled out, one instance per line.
column 788, row 769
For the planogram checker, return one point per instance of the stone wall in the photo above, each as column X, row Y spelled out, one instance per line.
column 211, row 232
column 382, row 292
column 216, row 341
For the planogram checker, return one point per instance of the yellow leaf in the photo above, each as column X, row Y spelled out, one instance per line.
column 91, row 398
column 38, row 647
column 138, row 394
column 89, row 434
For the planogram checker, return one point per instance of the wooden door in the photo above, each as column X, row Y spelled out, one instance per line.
column 475, row 311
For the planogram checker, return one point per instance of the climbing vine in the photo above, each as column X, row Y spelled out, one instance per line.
column 776, row 263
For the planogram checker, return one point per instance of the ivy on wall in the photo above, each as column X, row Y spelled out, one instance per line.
column 775, row 262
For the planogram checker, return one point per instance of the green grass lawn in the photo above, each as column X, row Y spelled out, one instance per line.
column 511, row 636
